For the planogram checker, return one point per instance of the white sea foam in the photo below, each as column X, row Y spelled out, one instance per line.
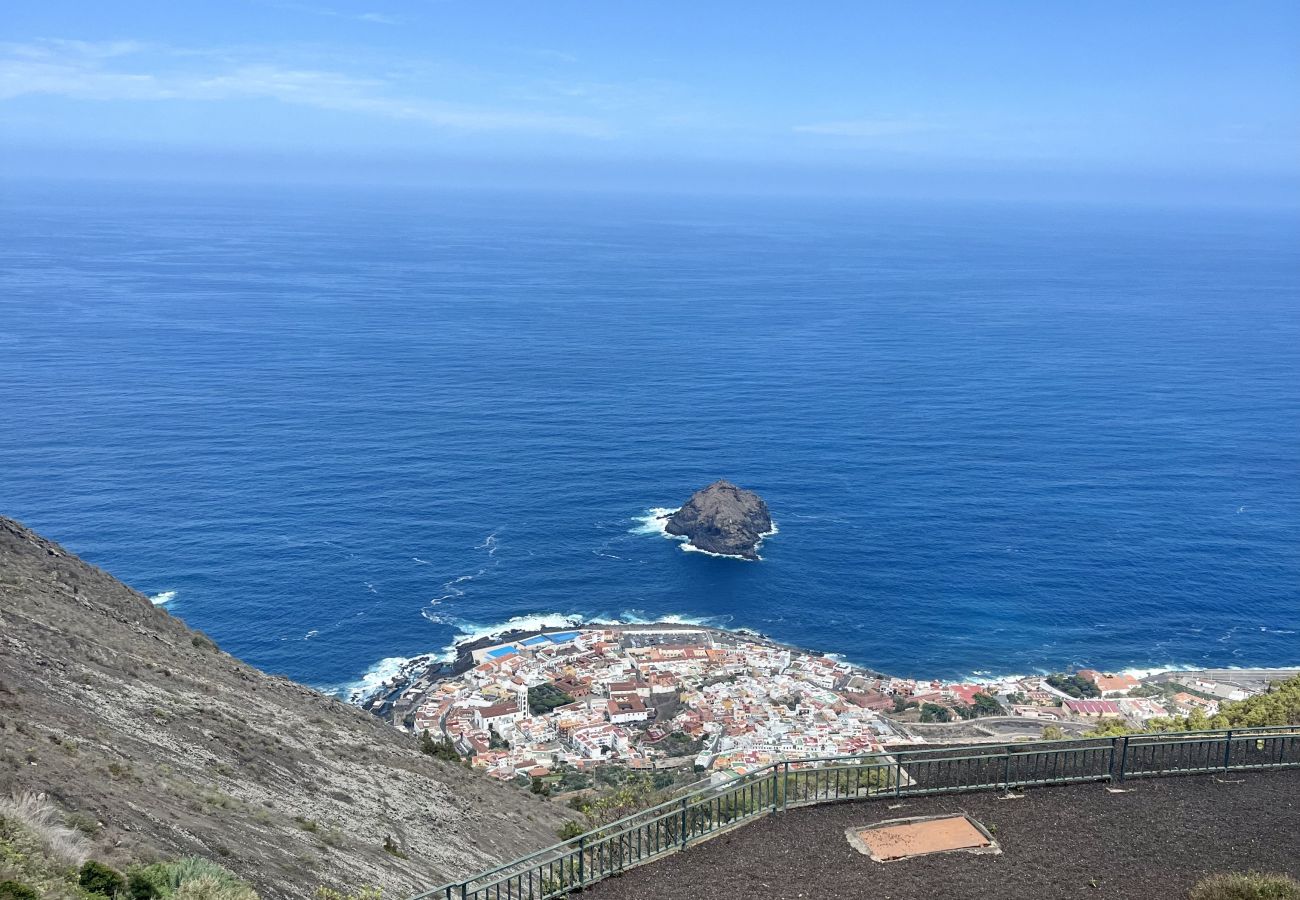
column 655, row 521
column 990, row 677
column 536, row 622
column 450, row 591
column 451, row 588
column 374, row 680
column 1140, row 672
column 162, row 598
column 638, row 617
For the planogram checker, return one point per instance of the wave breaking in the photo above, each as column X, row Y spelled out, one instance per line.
column 655, row 521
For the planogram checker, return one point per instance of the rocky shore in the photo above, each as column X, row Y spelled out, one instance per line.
column 723, row 519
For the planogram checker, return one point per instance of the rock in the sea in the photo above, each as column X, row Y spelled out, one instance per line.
column 723, row 518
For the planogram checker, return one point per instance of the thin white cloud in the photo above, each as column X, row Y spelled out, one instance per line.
column 86, row 71
column 867, row 128
column 377, row 18
column 556, row 55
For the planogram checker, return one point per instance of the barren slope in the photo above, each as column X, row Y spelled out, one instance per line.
column 120, row 712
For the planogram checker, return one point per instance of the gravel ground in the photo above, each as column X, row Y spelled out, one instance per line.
column 1151, row 843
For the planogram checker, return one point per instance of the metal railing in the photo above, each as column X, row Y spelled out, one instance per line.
column 708, row 811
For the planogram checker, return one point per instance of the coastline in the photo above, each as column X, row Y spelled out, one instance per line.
column 458, row 658
column 434, row 668
column 384, row 676
column 555, row 700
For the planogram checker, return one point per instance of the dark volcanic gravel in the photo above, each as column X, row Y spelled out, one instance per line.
column 1152, row 843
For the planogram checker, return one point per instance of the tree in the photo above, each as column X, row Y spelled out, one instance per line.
column 933, row 712
column 987, row 705
column 1053, row 733
column 1279, row 706
column 543, row 698
column 443, row 749
column 1073, row 685
column 1109, row 728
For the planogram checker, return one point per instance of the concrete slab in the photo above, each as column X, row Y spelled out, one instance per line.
column 896, row 839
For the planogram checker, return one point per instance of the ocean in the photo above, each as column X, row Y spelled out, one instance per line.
column 335, row 429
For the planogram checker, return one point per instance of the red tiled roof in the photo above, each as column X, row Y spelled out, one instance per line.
column 1093, row 707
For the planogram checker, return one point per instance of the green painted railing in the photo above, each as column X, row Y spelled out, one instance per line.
column 707, row 811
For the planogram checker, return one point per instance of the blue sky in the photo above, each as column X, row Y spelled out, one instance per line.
column 1092, row 96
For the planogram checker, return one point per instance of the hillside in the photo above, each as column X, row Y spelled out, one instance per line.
column 158, row 744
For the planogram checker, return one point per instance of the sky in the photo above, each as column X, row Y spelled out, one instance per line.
column 1147, row 98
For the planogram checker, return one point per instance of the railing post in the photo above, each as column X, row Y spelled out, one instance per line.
column 1110, row 763
column 464, row 886
column 1227, row 750
column 582, row 860
column 682, row 839
column 785, row 784
column 1006, row 771
column 1123, row 758
column 898, row 777
column 775, row 782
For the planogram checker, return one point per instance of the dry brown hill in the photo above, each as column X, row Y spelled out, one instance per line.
column 146, row 733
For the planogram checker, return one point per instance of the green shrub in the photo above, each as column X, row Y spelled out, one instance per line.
column 208, row 887
column 174, row 875
column 98, row 878
column 12, row 890
column 570, row 830
column 87, row 825
column 392, row 848
column 147, row 882
column 1246, row 886
column 367, row 893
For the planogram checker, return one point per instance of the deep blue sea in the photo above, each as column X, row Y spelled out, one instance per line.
column 342, row 427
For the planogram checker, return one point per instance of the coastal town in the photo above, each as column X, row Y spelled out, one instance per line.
column 657, row 697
